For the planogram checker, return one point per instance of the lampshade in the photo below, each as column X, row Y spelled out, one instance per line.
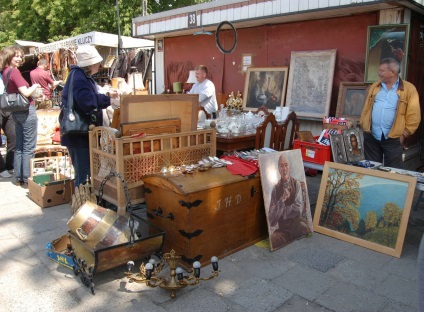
column 192, row 77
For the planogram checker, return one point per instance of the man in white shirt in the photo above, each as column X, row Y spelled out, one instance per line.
column 206, row 91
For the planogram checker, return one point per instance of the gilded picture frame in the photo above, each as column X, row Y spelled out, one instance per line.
column 386, row 41
column 369, row 208
column 265, row 86
column 351, row 99
column 310, row 82
column 338, row 149
column 353, row 144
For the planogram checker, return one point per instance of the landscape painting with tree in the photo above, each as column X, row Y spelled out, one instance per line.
column 366, row 207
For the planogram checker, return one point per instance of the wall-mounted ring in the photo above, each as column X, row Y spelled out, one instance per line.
column 218, row 31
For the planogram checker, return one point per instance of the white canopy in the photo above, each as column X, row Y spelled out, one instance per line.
column 97, row 38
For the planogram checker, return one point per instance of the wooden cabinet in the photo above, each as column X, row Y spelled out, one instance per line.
column 205, row 214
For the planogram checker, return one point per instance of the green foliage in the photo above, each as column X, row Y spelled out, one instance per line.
column 53, row 20
column 384, row 236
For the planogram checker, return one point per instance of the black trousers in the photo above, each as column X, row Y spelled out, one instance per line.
column 8, row 126
column 387, row 151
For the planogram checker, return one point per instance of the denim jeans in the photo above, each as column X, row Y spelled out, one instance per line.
column 81, row 161
column 26, row 142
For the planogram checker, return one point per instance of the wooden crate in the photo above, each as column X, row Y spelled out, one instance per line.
column 212, row 213
column 111, row 154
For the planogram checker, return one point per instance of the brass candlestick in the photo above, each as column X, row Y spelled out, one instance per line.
column 149, row 273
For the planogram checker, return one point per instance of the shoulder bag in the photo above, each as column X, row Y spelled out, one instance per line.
column 72, row 121
column 13, row 102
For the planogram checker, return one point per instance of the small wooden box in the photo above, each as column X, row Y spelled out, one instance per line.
column 205, row 214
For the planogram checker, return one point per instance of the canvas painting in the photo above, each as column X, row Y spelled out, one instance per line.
column 311, row 82
column 285, row 197
column 265, row 87
column 338, row 148
column 386, row 41
column 369, row 208
column 351, row 99
column 353, row 144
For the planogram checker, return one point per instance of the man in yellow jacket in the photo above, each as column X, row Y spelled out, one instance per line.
column 391, row 114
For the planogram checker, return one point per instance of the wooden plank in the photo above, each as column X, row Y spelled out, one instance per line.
column 161, row 126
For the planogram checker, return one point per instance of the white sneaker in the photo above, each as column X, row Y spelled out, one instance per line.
column 5, row 174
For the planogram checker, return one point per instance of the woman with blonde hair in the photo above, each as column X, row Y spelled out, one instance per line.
column 25, row 121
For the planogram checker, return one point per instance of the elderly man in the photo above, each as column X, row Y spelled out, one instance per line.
column 206, row 91
column 390, row 115
column 41, row 76
column 287, row 215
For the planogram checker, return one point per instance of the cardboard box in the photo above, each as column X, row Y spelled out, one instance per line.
column 54, row 193
column 313, row 152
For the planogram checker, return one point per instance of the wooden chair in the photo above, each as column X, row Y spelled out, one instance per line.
column 288, row 131
column 268, row 134
column 262, row 110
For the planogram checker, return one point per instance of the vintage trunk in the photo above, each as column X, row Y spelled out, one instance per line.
column 205, row 214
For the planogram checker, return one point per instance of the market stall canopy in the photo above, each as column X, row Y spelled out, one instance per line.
column 99, row 39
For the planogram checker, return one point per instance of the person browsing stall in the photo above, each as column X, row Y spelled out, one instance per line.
column 390, row 115
column 41, row 76
column 25, row 121
column 206, row 91
column 87, row 101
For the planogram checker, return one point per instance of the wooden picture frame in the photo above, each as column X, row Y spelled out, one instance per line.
column 369, row 208
column 386, row 41
column 353, row 153
column 310, row 83
column 338, row 149
column 351, row 99
column 265, row 86
column 285, row 223
column 305, row 136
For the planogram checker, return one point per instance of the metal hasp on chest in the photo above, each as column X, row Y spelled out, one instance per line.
column 206, row 213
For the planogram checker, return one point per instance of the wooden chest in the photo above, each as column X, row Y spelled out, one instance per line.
column 205, row 214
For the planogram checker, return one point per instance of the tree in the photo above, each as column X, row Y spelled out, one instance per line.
column 342, row 197
column 370, row 221
column 53, row 20
column 392, row 214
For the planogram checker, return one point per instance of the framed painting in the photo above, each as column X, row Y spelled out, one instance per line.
column 285, row 197
column 353, row 144
column 351, row 99
column 265, row 86
column 310, row 83
column 386, row 41
column 338, row 149
column 369, row 208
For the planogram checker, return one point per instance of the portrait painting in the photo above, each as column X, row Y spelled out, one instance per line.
column 385, row 41
column 351, row 99
column 265, row 87
column 353, row 144
column 337, row 148
column 286, row 197
column 369, row 208
column 311, row 82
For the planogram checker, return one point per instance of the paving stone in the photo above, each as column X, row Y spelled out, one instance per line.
column 305, row 282
column 317, row 258
column 360, row 274
column 260, row 295
column 348, row 297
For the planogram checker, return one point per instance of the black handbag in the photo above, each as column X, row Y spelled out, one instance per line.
column 71, row 121
column 13, row 102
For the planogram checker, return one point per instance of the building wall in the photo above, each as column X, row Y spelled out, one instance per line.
column 271, row 46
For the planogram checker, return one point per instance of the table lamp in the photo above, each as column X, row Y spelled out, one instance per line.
column 192, row 77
